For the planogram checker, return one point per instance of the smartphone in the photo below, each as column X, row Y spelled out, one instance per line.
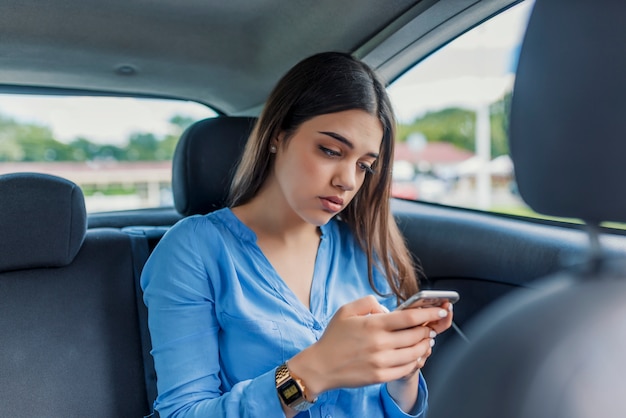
column 429, row 299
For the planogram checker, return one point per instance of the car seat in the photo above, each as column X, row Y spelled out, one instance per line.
column 205, row 161
column 68, row 316
column 559, row 351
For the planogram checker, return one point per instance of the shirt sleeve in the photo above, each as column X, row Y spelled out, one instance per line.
column 184, row 331
column 391, row 408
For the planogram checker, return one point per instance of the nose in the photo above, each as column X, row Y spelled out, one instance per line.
column 345, row 177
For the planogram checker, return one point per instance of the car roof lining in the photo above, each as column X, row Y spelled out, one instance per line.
column 432, row 26
column 159, row 49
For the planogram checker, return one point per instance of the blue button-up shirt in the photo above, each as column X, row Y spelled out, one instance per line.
column 222, row 321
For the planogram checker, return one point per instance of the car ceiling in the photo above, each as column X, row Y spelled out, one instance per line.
column 226, row 54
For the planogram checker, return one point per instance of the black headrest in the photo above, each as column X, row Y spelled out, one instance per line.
column 555, row 353
column 42, row 219
column 568, row 117
column 205, row 161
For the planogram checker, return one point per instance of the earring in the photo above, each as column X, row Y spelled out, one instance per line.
column 273, row 149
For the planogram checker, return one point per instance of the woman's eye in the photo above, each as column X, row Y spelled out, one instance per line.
column 366, row 168
column 329, row 152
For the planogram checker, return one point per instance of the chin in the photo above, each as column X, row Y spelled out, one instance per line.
column 320, row 218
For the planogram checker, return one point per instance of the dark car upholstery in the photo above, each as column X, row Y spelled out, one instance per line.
column 68, row 315
column 205, row 161
column 53, row 236
column 565, row 345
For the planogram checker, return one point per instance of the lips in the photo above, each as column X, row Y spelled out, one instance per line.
column 332, row 203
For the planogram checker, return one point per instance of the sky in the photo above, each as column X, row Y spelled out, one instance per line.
column 472, row 70
column 100, row 119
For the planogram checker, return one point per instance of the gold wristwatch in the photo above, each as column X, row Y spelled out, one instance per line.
column 291, row 390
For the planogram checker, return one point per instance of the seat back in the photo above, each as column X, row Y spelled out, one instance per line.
column 205, row 161
column 68, row 315
column 558, row 352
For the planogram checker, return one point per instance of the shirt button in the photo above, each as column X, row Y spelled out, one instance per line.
column 317, row 327
column 329, row 416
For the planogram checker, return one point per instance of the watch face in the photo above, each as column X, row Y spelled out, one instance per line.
column 290, row 392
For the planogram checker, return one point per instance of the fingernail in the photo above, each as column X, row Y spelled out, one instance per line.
column 433, row 334
column 384, row 308
column 450, row 307
column 432, row 342
column 419, row 359
column 443, row 313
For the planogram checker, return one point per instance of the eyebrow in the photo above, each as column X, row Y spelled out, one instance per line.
column 345, row 141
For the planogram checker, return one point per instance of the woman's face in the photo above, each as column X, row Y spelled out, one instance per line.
column 323, row 165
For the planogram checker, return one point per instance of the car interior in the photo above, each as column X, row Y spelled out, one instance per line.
column 564, row 343
column 541, row 305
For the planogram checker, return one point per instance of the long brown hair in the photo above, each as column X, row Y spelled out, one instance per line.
column 326, row 83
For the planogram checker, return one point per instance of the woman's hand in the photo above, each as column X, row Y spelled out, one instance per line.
column 363, row 345
column 404, row 390
column 438, row 327
column 443, row 324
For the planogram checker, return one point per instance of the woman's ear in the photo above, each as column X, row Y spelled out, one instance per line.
column 276, row 141
column 274, row 145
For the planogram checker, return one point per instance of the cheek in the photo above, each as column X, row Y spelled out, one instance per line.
column 297, row 175
column 360, row 179
column 307, row 169
column 315, row 167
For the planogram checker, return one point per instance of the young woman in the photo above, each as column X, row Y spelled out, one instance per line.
column 279, row 305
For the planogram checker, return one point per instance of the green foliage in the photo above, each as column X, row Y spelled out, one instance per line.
column 109, row 190
column 457, row 126
column 143, row 147
column 30, row 142
column 453, row 125
column 500, row 111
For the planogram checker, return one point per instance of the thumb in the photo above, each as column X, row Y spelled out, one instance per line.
column 364, row 306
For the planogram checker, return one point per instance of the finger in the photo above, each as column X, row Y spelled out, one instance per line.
column 420, row 363
column 364, row 306
column 410, row 355
column 443, row 324
column 411, row 336
column 448, row 306
column 409, row 318
column 381, row 309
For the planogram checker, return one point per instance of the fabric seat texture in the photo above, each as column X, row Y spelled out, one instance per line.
column 68, row 315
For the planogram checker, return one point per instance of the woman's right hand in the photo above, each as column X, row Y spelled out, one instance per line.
column 364, row 345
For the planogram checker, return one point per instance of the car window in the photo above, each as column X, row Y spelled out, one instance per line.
column 117, row 149
column 452, row 111
column 453, row 115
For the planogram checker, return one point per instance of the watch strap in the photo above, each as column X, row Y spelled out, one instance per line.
column 291, row 390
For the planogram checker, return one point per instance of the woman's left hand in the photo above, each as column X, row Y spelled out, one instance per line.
column 404, row 390
column 444, row 323
column 439, row 327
